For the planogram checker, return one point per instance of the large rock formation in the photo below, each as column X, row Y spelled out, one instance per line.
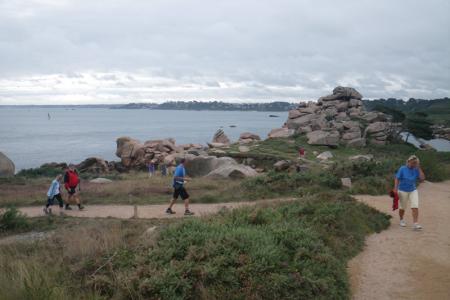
column 7, row 167
column 135, row 155
column 339, row 118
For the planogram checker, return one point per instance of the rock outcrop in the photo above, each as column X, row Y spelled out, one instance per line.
column 93, row 165
column 221, row 138
column 213, row 167
column 135, row 155
column 7, row 167
column 339, row 118
column 248, row 137
column 281, row 133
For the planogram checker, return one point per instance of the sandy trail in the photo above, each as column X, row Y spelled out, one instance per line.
column 156, row 211
column 400, row 263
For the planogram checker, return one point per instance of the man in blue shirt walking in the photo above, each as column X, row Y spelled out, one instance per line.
column 179, row 179
column 405, row 186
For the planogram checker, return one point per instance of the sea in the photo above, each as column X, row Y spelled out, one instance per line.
column 31, row 136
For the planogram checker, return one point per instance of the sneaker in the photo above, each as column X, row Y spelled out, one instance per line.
column 45, row 210
column 402, row 223
column 68, row 208
column 81, row 207
column 187, row 212
column 170, row 211
column 417, row 226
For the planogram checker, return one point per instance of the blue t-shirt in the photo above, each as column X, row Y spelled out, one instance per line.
column 180, row 172
column 407, row 178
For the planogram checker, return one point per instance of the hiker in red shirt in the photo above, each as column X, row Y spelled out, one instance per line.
column 71, row 181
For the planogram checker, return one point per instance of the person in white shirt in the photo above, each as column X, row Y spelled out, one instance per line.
column 54, row 192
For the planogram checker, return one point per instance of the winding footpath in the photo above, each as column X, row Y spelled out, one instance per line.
column 400, row 263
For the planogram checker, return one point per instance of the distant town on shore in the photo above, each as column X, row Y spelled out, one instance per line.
column 436, row 105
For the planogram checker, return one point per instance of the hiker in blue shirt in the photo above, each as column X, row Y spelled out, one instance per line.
column 54, row 192
column 179, row 180
column 405, row 186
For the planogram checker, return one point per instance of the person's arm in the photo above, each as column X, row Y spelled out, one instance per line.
column 421, row 174
column 396, row 182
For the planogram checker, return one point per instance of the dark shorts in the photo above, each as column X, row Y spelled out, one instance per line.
column 58, row 197
column 72, row 191
column 180, row 192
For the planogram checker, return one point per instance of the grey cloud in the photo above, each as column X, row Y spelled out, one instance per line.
column 303, row 48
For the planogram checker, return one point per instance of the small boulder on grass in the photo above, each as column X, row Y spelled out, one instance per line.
column 346, row 182
column 101, row 180
column 325, row 155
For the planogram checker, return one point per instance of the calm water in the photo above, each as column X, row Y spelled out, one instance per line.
column 30, row 139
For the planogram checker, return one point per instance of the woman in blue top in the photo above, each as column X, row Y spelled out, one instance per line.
column 405, row 186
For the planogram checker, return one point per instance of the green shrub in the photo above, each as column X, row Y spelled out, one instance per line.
column 294, row 250
column 435, row 165
column 43, row 171
column 283, row 183
column 12, row 219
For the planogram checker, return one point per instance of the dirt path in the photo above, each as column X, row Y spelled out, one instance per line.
column 156, row 211
column 400, row 263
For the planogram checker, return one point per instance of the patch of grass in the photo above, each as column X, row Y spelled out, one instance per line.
column 43, row 171
column 13, row 220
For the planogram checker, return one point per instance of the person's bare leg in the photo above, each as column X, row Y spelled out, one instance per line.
column 401, row 213
column 172, row 202
column 186, row 204
column 415, row 213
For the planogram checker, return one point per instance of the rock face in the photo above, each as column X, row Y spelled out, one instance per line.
column 7, row 167
column 213, row 167
column 248, row 137
column 93, row 165
column 338, row 118
column 221, row 137
column 135, row 155
column 281, row 133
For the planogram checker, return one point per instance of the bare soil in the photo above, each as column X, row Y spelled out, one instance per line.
column 400, row 263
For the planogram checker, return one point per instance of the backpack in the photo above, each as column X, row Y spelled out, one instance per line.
column 72, row 179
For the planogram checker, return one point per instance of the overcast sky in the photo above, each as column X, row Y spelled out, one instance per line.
column 119, row 51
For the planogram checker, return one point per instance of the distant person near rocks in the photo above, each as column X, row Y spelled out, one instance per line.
column 151, row 168
column 301, row 152
column 54, row 192
column 179, row 179
column 71, row 182
column 405, row 186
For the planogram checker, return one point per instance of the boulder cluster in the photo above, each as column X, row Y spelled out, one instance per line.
column 135, row 155
column 248, row 137
column 339, row 118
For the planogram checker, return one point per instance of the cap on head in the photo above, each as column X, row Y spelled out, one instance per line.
column 182, row 161
column 412, row 158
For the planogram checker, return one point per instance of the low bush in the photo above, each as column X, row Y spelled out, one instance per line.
column 293, row 250
column 12, row 220
column 43, row 171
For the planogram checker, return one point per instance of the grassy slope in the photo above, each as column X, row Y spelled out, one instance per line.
column 295, row 250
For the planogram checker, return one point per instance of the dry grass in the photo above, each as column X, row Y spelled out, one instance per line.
column 67, row 261
column 134, row 188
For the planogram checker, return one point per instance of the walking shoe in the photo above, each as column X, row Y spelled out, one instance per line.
column 187, row 212
column 68, row 207
column 81, row 207
column 45, row 210
column 170, row 211
column 417, row 226
column 402, row 223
